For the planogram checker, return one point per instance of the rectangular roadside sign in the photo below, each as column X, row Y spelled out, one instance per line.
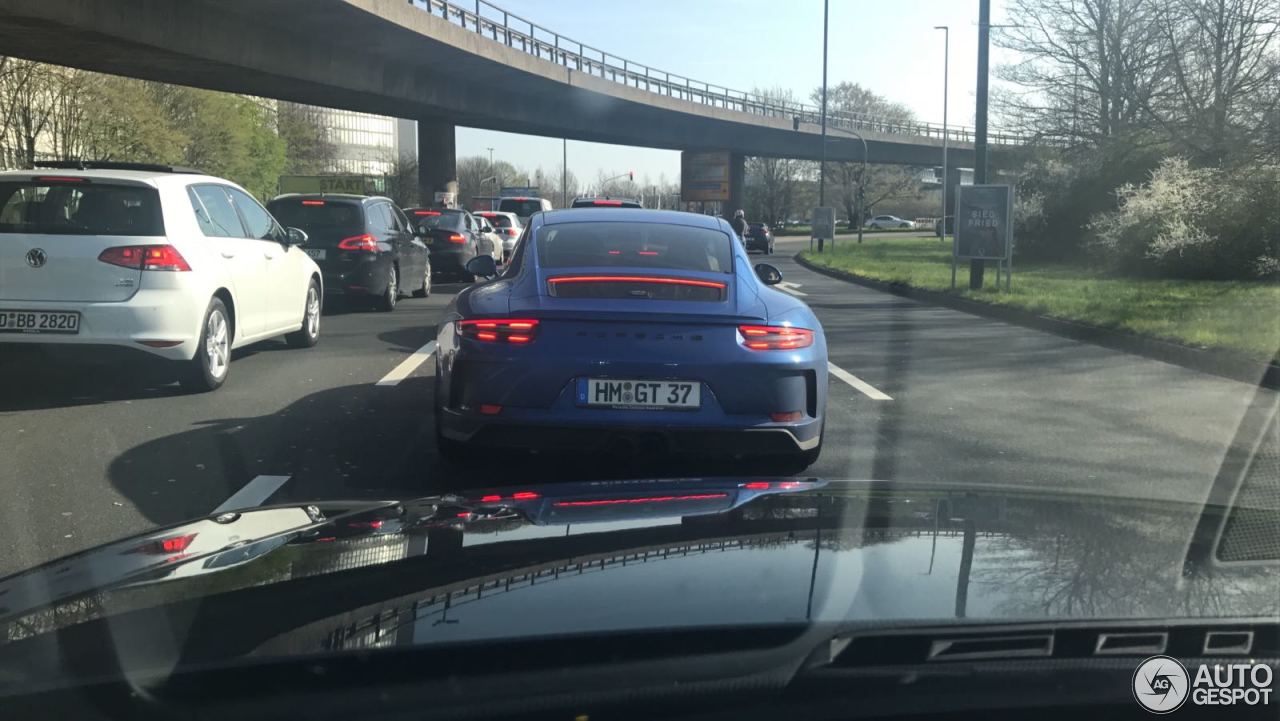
column 983, row 222
column 704, row 176
column 824, row 223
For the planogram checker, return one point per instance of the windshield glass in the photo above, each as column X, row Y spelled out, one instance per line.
column 314, row 214
column 333, row 330
column 522, row 207
column 443, row 219
column 634, row 245
column 498, row 220
column 81, row 207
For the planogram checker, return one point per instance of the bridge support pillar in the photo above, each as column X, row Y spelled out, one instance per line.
column 437, row 160
column 737, row 185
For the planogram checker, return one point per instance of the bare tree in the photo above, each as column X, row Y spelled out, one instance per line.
column 1224, row 70
column 30, row 91
column 881, row 182
column 1087, row 69
column 308, row 147
column 479, row 177
column 609, row 183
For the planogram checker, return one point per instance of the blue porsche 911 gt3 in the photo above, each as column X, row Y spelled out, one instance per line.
column 644, row 330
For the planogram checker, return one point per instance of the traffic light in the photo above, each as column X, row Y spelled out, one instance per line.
column 631, row 175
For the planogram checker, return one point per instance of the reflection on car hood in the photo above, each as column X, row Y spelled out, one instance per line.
column 631, row 555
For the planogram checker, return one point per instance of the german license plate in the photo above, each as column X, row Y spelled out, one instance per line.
column 315, row 253
column 639, row 394
column 38, row 321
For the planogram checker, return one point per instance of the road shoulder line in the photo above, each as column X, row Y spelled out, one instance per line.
column 860, row 385
column 252, row 493
column 408, row 365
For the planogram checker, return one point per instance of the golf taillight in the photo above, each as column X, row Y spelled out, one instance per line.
column 774, row 337
column 365, row 243
column 145, row 257
column 516, row 331
column 456, row 238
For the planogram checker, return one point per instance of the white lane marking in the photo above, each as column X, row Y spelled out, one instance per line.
column 408, row 365
column 253, row 493
column 862, row 386
column 786, row 287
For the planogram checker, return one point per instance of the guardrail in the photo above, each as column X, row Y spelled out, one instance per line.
column 514, row 31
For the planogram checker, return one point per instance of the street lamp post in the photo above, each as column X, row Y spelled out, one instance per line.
column 978, row 267
column 946, row 55
column 490, row 157
column 822, row 167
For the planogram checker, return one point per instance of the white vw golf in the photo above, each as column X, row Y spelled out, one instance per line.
column 162, row 260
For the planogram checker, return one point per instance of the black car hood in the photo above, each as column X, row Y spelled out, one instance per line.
column 616, row 556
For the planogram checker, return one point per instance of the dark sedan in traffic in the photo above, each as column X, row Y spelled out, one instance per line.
column 454, row 237
column 365, row 247
column 759, row 238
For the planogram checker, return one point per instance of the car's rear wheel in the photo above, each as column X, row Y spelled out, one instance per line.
column 309, row 334
column 387, row 301
column 425, row 290
column 207, row 371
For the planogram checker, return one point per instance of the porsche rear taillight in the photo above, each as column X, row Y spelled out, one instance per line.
column 774, row 337
column 515, row 331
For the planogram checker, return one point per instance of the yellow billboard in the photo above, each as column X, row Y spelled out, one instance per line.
column 704, row 176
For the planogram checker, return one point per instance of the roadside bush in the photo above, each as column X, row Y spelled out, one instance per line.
column 1058, row 193
column 1192, row 222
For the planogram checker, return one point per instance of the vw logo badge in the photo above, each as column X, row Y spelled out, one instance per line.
column 36, row 257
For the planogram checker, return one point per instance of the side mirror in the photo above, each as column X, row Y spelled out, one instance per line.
column 483, row 266
column 768, row 274
column 296, row 236
column 420, row 230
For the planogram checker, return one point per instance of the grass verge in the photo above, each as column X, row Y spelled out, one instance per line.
column 1242, row 316
column 840, row 230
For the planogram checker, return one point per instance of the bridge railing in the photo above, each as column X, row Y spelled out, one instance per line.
column 516, row 32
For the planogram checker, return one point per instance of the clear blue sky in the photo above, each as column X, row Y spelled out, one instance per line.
column 887, row 45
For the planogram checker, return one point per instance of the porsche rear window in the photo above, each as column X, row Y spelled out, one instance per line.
column 79, row 207
column 634, row 245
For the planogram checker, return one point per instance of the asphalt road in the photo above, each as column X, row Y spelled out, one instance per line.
column 92, row 453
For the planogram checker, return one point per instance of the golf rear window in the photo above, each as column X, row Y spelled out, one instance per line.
column 633, row 245
column 76, row 206
column 312, row 214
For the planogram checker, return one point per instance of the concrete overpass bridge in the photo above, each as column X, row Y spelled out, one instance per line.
column 446, row 64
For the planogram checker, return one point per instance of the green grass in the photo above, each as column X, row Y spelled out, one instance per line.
column 1242, row 316
column 804, row 230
